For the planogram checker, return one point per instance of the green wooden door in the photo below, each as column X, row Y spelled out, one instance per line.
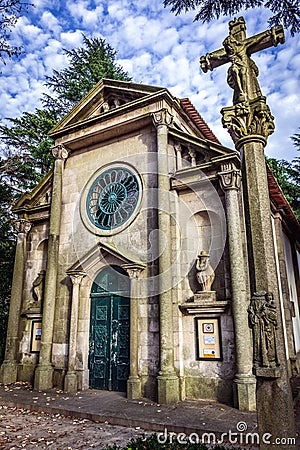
column 109, row 334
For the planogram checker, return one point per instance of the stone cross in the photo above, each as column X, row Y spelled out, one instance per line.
column 250, row 122
column 237, row 49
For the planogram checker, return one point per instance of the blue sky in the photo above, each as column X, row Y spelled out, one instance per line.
column 155, row 47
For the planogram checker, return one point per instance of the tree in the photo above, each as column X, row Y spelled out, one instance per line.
column 286, row 12
column 88, row 65
column 287, row 175
column 10, row 12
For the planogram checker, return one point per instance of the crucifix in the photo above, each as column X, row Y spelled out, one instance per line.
column 250, row 122
column 237, row 50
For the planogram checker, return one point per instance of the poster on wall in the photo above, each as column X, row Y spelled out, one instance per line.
column 36, row 336
column 208, row 339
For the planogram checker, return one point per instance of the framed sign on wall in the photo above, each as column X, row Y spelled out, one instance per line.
column 36, row 336
column 208, row 339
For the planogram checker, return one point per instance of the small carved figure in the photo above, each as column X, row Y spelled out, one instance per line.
column 263, row 321
column 205, row 273
column 38, row 287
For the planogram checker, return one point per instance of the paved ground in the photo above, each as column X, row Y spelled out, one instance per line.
column 20, row 428
column 92, row 419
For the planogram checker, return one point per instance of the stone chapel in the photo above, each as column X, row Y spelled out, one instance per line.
column 132, row 268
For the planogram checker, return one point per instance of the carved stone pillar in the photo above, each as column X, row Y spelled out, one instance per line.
column 134, row 389
column 168, row 384
column 250, row 124
column 178, row 150
column 71, row 376
column 245, row 383
column 9, row 366
column 44, row 371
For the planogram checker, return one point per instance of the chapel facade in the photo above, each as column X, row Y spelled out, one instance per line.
column 132, row 269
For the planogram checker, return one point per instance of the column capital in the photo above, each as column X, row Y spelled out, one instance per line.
column 76, row 277
column 22, row 226
column 248, row 120
column 162, row 118
column 60, row 152
column 230, row 177
column 133, row 270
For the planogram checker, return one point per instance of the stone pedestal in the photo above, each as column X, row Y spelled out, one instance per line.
column 168, row 388
column 70, row 384
column 134, row 387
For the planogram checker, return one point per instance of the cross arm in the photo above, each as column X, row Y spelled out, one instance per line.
column 266, row 39
column 214, row 59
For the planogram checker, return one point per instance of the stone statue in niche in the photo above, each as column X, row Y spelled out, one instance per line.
column 38, row 287
column 205, row 273
column 263, row 321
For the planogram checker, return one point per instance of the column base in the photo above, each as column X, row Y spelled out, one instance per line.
column 168, row 388
column 43, row 378
column 134, row 387
column 9, row 372
column 70, row 382
column 244, row 393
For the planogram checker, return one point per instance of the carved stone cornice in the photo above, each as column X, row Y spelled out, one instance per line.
column 22, row 226
column 60, row 152
column 247, row 120
column 230, row 177
column 162, row 117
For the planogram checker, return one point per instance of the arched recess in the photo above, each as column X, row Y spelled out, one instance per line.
column 109, row 330
column 206, row 228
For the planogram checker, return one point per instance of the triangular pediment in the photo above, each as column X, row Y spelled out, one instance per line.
column 99, row 252
column 39, row 197
column 106, row 96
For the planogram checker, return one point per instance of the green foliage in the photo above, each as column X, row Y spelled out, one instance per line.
column 88, row 65
column 286, row 12
column 287, row 175
column 27, row 146
column 151, row 443
column 10, row 11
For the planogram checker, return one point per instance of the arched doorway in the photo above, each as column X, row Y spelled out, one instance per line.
column 109, row 330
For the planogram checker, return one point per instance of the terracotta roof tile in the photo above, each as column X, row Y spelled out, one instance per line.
column 280, row 201
column 193, row 114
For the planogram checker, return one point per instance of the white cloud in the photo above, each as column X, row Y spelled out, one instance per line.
column 155, row 47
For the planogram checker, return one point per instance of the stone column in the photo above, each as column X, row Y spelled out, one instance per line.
column 250, row 123
column 134, row 388
column 10, row 364
column 245, row 383
column 44, row 370
column 178, row 150
column 168, row 384
column 71, row 376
